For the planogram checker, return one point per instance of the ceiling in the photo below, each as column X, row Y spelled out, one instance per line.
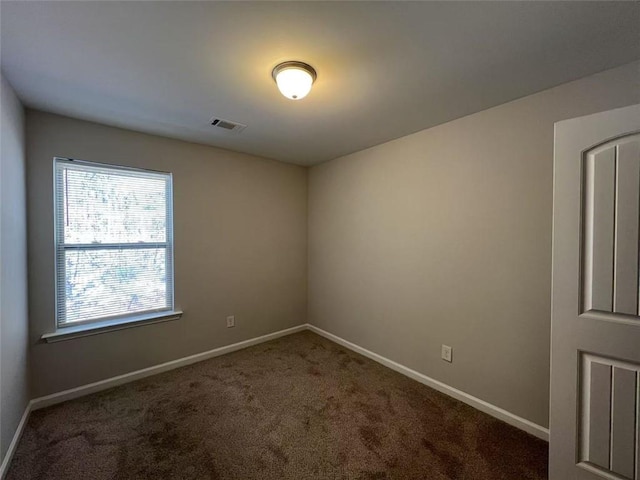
column 385, row 69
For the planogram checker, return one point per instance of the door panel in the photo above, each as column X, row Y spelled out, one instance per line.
column 597, row 411
column 595, row 342
column 627, row 206
column 623, row 423
column 598, row 235
column 610, row 207
column 609, row 402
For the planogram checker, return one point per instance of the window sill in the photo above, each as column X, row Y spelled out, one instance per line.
column 67, row 333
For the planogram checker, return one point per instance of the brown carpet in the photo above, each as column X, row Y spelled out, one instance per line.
column 300, row 407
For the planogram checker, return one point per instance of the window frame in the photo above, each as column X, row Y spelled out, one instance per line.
column 111, row 322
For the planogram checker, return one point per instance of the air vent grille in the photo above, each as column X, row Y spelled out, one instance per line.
column 227, row 125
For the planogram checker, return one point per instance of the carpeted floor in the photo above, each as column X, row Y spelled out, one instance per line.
column 300, row 407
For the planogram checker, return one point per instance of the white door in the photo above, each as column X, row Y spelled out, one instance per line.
column 595, row 339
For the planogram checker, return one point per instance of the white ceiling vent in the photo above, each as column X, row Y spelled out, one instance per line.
column 227, row 125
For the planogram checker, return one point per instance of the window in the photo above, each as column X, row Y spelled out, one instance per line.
column 114, row 244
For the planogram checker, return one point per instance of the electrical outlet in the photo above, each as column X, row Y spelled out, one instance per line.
column 447, row 353
column 231, row 321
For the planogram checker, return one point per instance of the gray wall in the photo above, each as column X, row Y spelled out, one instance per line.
column 444, row 236
column 240, row 227
column 14, row 325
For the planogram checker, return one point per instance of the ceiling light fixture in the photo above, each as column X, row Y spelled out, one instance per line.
column 294, row 79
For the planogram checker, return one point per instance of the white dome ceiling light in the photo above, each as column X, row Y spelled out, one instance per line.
column 294, row 79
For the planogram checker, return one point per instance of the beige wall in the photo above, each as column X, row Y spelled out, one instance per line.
column 14, row 325
column 444, row 236
column 240, row 227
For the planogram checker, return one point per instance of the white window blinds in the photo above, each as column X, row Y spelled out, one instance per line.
column 114, row 242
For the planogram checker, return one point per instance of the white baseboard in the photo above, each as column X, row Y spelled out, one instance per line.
column 4, row 466
column 497, row 412
column 83, row 390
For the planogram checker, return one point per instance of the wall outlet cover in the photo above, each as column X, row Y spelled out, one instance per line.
column 231, row 321
column 447, row 353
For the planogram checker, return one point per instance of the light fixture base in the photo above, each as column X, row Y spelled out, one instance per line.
column 294, row 64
